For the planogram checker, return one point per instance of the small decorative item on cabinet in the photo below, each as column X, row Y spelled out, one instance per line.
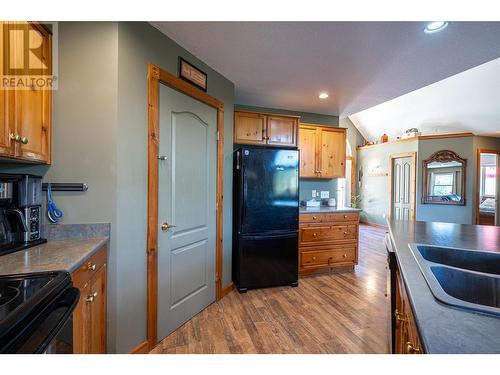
column 384, row 138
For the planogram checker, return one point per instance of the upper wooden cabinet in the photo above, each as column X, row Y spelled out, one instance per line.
column 265, row 129
column 26, row 114
column 322, row 151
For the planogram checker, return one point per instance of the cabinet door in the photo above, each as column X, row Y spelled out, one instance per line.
column 81, row 319
column 281, row 131
column 332, row 153
column 33, row 106
column 307, row 148
column 6, row 107
column 249, row 128
column 97, row 341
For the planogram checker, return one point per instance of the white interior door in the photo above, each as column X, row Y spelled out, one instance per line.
column 186, row 208
column 402, row 188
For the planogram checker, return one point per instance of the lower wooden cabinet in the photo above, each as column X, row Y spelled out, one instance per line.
column 89, row 318
column 328, row 241
column 406, row 340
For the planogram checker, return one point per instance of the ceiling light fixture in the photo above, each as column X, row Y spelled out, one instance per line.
column 323, row 95
column 434, row 27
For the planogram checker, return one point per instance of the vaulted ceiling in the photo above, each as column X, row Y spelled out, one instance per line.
column 360, row 64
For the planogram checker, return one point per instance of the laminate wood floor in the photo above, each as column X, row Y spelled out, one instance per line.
column 343, row 312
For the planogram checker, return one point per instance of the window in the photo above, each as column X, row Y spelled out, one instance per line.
column 443, row 184
column 488, row 181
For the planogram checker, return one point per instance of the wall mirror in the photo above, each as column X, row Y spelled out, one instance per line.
column 444, row 179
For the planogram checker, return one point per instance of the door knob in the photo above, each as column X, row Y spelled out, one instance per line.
column 166, row 226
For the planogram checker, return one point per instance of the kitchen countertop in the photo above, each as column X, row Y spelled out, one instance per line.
column 326, row 210
column 54, row 255
column 445, row 329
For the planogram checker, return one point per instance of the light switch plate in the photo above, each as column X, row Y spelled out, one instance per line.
column 325, row 194
column 313, row 193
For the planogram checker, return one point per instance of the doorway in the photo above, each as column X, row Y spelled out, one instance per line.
column 487, row 186
column 402, row 177
column 185, row 169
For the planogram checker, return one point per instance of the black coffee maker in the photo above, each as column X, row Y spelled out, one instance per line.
column 20, row 212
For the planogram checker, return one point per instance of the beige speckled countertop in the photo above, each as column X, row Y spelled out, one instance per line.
column 54, row 255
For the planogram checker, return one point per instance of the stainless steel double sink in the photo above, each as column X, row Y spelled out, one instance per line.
column 463, row 278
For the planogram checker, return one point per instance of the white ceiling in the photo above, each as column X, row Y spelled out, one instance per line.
column 466, row 102
column 361, row 64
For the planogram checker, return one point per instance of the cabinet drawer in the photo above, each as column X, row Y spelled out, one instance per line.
column 321, row 258
column 89, row 268
column 328, row 233
column 323, row 218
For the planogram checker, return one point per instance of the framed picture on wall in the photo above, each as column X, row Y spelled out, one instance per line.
column 188, row 72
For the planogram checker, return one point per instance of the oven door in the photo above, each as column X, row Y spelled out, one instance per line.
column 51, row 331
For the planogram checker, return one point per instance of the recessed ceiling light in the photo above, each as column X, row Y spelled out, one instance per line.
column 323, row 95
column 434, row 27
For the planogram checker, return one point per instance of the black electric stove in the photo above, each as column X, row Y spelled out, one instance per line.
column 35, row 311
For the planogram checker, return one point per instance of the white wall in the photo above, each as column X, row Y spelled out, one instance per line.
column 466, row 102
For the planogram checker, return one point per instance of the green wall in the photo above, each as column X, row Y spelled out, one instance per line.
column 140, row 44
column 100, row 137
column 374, row 189
column 445, row 213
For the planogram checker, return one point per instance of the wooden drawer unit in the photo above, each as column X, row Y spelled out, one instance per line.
column 328, row 241
column 89, row 318
column 328, row 257
column 322, row 233
column 324, row 218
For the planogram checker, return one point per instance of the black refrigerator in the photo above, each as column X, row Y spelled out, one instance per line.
column 265, row 217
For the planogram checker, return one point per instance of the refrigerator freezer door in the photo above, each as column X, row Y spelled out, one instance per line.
column 270, row 190
column 264, row 261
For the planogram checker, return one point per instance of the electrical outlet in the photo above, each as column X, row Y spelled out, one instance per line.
column 325, row 194
column 313, row 193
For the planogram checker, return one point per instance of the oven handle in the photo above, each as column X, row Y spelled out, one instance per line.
column 69, row 298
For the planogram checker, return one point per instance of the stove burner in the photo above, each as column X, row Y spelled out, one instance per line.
column 7, row 294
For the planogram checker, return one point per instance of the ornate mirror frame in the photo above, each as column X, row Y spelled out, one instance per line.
column 443, row 156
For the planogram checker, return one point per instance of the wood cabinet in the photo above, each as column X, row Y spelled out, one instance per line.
column 26, row 114
column 265, row 129
column 328, row 241
column 322, row 151
column 406, row 340
column 89, row 318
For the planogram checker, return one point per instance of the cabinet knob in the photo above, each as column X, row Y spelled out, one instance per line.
column 315, row 234
column 412, row 349
column 315, row 217
column 313, row 258
column 91, row 267
column 344, row 256
column 345, row 233
column 248, row 134
column 399, row 317
column 24, row 140
column 345, row 216
column 91, row 297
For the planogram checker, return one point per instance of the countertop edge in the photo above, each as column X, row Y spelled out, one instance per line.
column 97, row 246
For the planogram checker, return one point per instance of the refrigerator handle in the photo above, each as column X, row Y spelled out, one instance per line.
column 238, row 160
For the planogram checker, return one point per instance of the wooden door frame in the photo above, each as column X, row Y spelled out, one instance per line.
column 353, row 175
column 478, row 176
column 156, row 75
column 413, row 155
